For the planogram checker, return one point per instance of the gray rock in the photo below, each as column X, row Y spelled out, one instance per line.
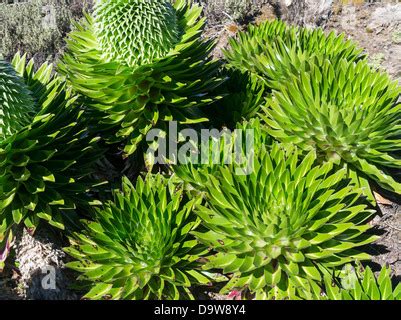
column 385, row 16
column 306, row 12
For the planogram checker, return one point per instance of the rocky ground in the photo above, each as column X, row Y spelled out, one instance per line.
column 376, row 27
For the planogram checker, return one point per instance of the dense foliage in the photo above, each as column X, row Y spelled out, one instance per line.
column 286, row 217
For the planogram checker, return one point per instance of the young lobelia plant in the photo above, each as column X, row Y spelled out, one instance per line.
column 45, row 150
column 272, row 50
column 139, row 63
column 345, row 111
column 278, row 229
column 140, row 246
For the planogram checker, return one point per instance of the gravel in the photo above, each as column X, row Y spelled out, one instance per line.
column 41, row 267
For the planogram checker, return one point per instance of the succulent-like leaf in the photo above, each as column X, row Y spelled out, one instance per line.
column 140, row 246
column 277, row 229
column 140, row 62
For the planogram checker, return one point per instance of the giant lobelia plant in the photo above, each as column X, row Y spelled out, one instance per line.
column 138, row 63
column 140, row 245
column 46, row 152
column 279, row 229
column 345, row 111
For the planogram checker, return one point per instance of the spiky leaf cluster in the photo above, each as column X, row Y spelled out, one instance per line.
column 272, row 50
column 226, row 147
column 141, row 62
column 16, row 103
column 140, row 246
column 356, row 122
column 136, row 32
column 47, row 156
column 363, row 285
column 277, row 229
